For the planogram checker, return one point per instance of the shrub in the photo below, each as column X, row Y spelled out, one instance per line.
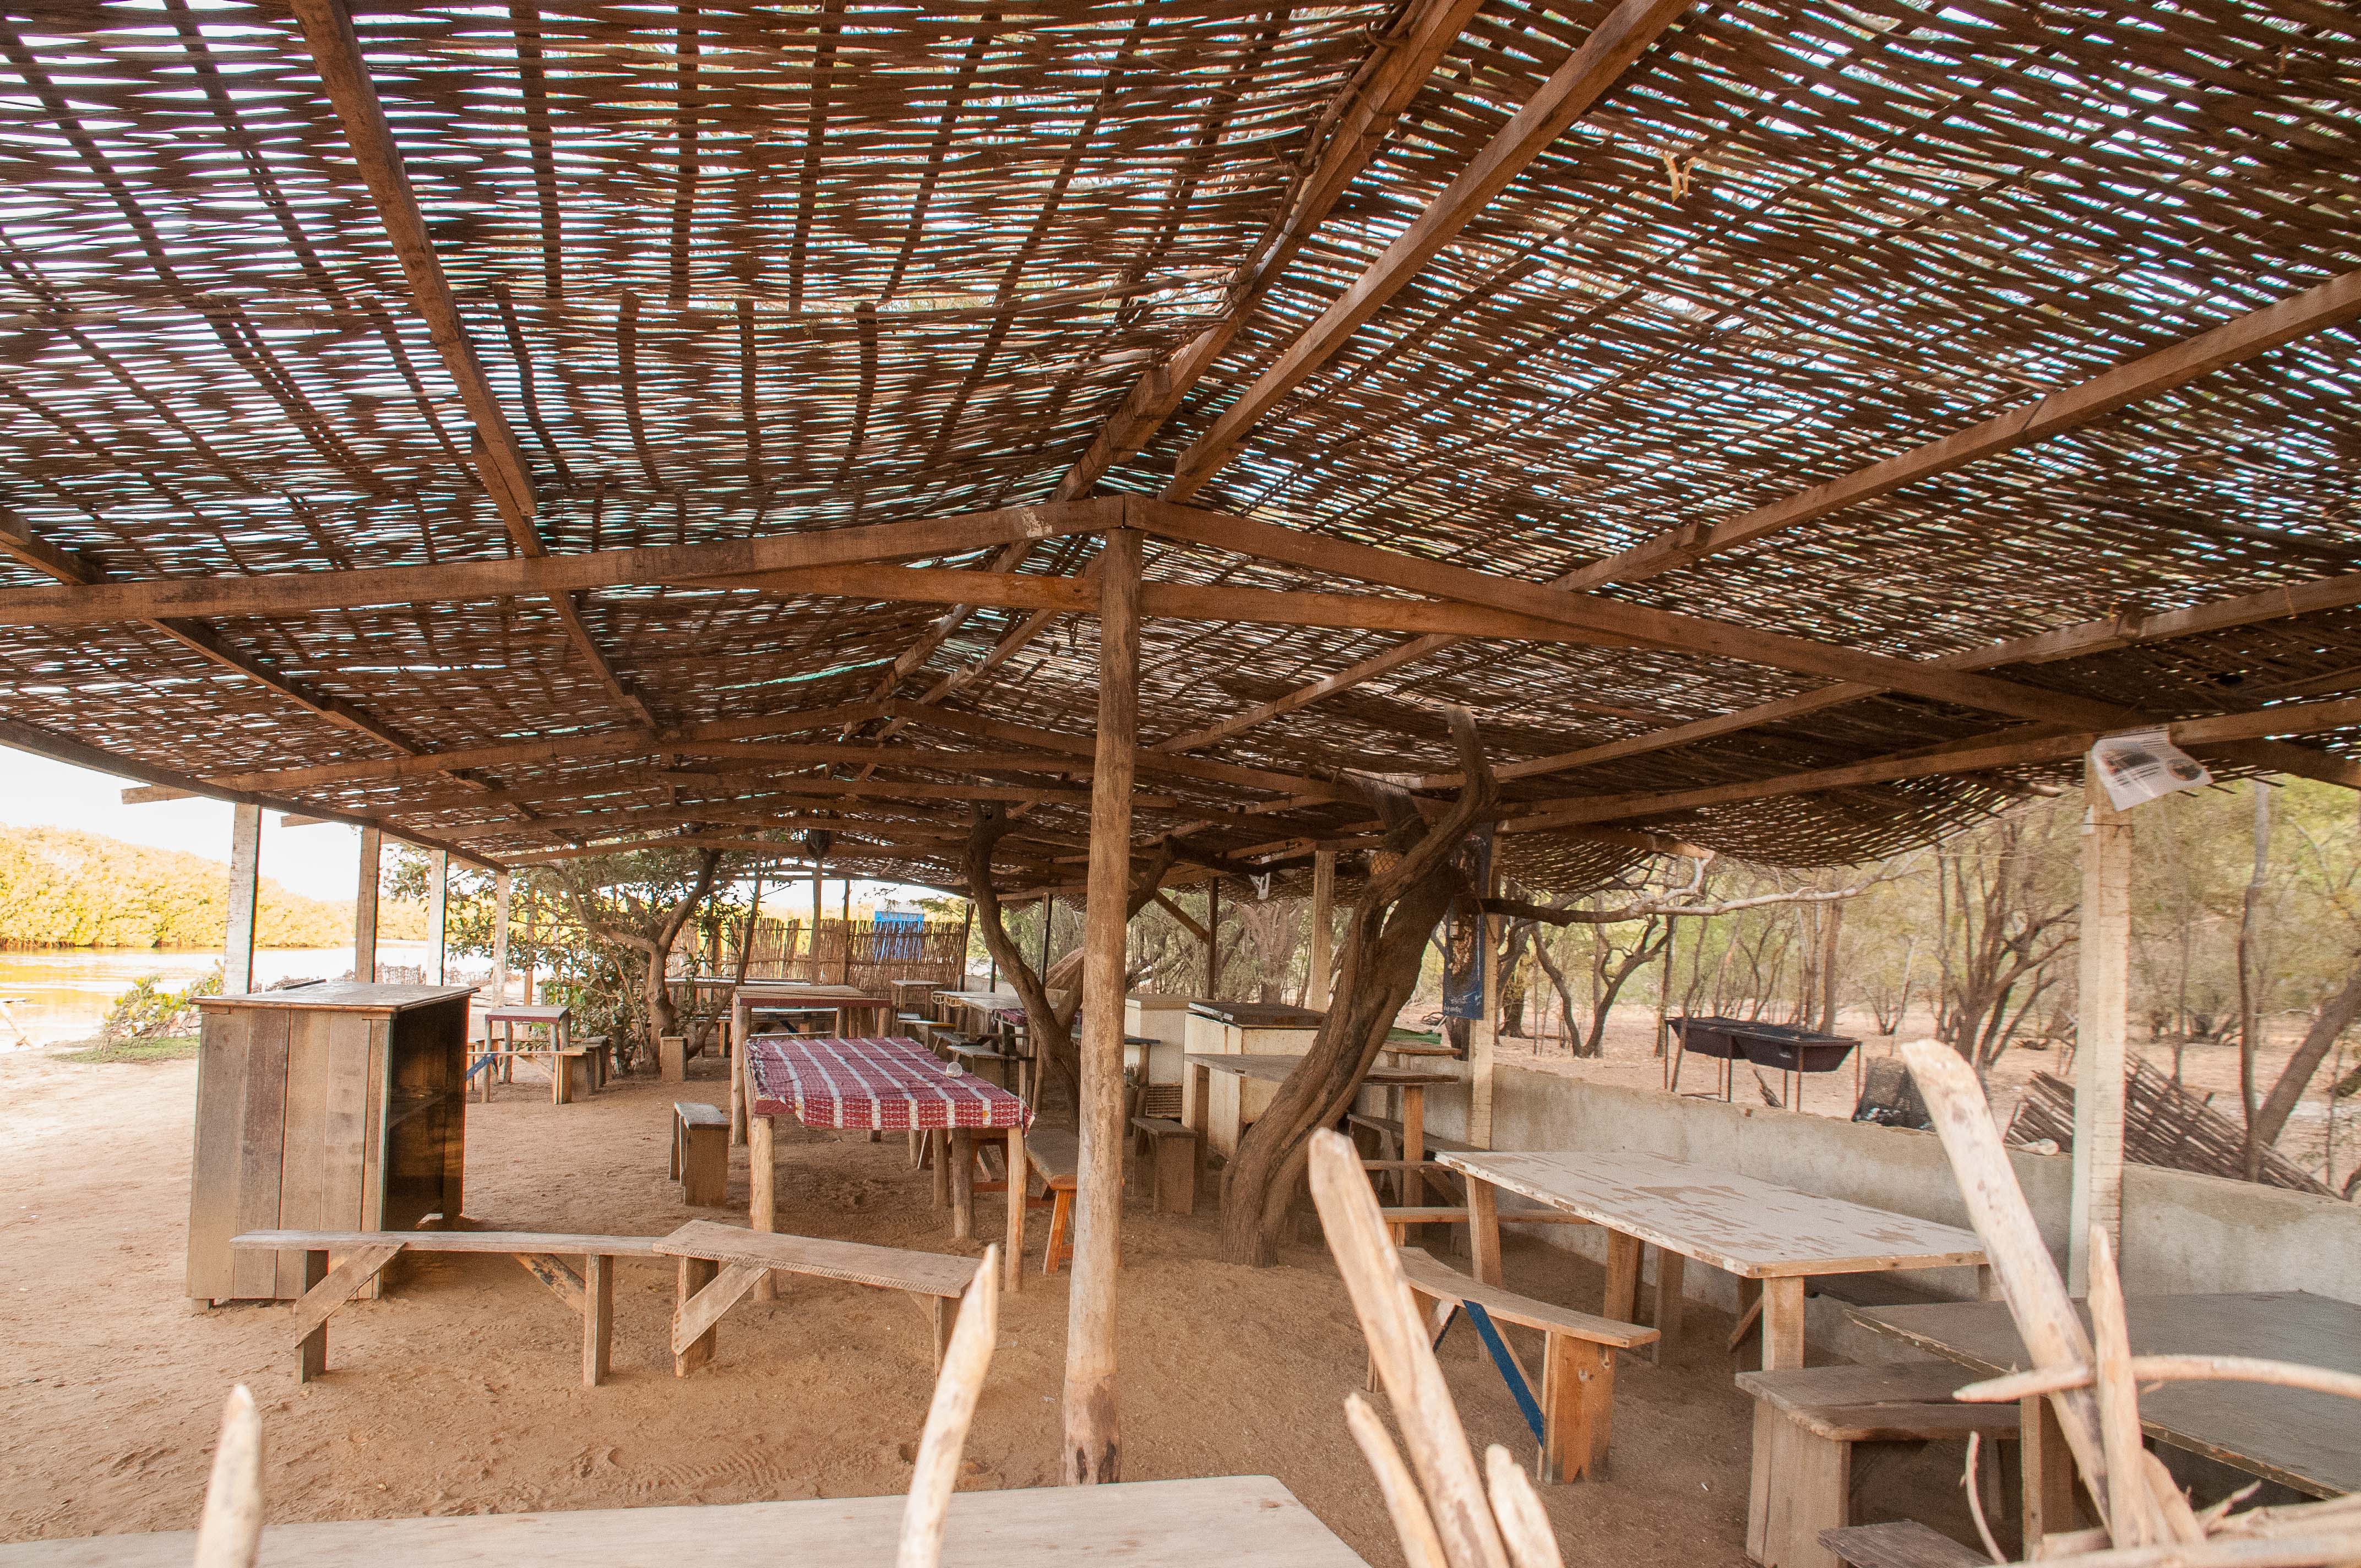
column 153, row 1011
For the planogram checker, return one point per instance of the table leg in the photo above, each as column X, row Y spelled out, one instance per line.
column 1670, row 1266
column 1622, row 1301
column 962, row 1155
column 1484, row 1230
column 1019, row 1182
column 1782, row 1323
column 938, row 1151
column 1413, row 1121
column 762, row 1194
column 2049, row 1472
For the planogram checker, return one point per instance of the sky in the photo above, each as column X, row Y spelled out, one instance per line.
column 321, row 861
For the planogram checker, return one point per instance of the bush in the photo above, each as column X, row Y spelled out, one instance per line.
column 152, row 1011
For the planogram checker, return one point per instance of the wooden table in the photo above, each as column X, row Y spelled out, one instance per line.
column 850, row 1000
column 1222, row 1124
column 557, row 1024
column 2309, row 1441
column 1756, row 1229
column 1248, row 1520
column 878, row 1085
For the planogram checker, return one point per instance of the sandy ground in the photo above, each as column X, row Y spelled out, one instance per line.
column 1630, row 1062
column 460, row 1391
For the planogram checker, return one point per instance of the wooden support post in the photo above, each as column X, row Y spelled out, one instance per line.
column 245, row 865
column 1484, row 1230
column 1019, row 1180
column 532, row 955
column 598, row 1317
column 2049, row 1465
column 962, row 1163
column 1093, row 1448
column 500, row 893
column 1212, row 937
column 438, row 910
column 1485, row 1036
column 364, row 906
column 816, row 911
column 2098, row 1028
column 1324, row 936
column 761, row 1190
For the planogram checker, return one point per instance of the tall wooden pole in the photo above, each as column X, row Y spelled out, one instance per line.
column 1093, row 1449
column 1213, row 939
column 2099, row 1029
column 245, row 868
column 1324, row 902
column 501, row 892
column 848, row 931
column 364, row 906
column 1049, row 918
column 438, row 910
column 1485, row 1036
column 815, row 919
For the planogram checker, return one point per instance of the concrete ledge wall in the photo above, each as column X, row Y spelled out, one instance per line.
column 2181, row 1233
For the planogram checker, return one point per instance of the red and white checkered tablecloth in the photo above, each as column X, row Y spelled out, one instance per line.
column 884, row 1083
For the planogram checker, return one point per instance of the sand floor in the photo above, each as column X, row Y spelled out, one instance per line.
column 459, row 1392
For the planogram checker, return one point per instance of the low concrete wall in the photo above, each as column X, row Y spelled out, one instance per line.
column 2181, row 1233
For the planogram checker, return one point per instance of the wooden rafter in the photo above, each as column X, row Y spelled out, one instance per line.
column 1618, row 40
column 2331, row 304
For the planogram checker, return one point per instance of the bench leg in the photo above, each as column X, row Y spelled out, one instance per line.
column 679, row 1142
column 1061, row 1221
column 762, row 1187
column 312, row 1350
column 696, row 1274
column 2049, row 1472
column 1801, row 1485
column 942, row 1311
column 1019, row 1178
column 598, row 1317
column 1578, row 1408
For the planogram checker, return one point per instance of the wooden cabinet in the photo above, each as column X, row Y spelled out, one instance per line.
column 324, row 1107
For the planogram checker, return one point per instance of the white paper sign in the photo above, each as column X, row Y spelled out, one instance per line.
column 2139, row 765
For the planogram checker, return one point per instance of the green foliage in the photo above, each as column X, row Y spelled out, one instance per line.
column 152, row 1011
column 62, row 889
column 175, row 1048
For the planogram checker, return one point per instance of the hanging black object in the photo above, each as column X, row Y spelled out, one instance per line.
column 818, row 842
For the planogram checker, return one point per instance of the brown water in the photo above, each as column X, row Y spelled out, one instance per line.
column 61, row 994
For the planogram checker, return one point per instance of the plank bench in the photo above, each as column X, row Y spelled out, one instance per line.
column 1578, row 1394
column 1807, row 1422
column 590, row 1292
column 700, row 1153
column 1055, row 1153
column 719, row 1263
column 1905, row 1543
column 1175, row 1151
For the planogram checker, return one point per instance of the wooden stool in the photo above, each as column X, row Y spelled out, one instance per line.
column 578, row 1074
column 1053, row 1153
column 672, row 1057
column 1174, row 1149
column 700, row 1153
column 1905, row 1543
column 1807, row 1421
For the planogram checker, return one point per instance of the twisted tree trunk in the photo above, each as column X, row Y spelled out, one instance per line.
column 1376, row 972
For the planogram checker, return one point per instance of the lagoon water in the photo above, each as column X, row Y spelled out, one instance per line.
column 61, row 994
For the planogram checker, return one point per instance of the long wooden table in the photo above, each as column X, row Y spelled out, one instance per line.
column 1248, row 1520
column 880, row 1084
column 2309, row 1441
column 1756, row 1229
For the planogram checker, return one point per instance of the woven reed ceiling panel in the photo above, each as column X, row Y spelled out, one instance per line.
column 747, row 270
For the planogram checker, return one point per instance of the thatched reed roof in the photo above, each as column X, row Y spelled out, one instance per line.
column 289, row 295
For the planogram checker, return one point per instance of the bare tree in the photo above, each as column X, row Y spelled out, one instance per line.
column 623, row 918
column 2014, row 918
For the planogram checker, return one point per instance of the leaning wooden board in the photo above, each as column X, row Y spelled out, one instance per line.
column 2309, row 1441
column 1250, row 1522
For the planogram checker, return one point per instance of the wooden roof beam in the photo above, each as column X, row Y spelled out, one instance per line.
column 289, row 593
column 2331, row 304
column 1613, row 45
column 343, row 74
column 1979, row 754
column 2079, row 640
column 1612, row 618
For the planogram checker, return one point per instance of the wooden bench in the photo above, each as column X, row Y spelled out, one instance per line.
column 590, row 1292
column 1578, row 1394
column 1055, row 1153
column 700, row 1153
column 1806, row 1423
column 1905, row 1543
column 719, row 1263
column 1174, row 1151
